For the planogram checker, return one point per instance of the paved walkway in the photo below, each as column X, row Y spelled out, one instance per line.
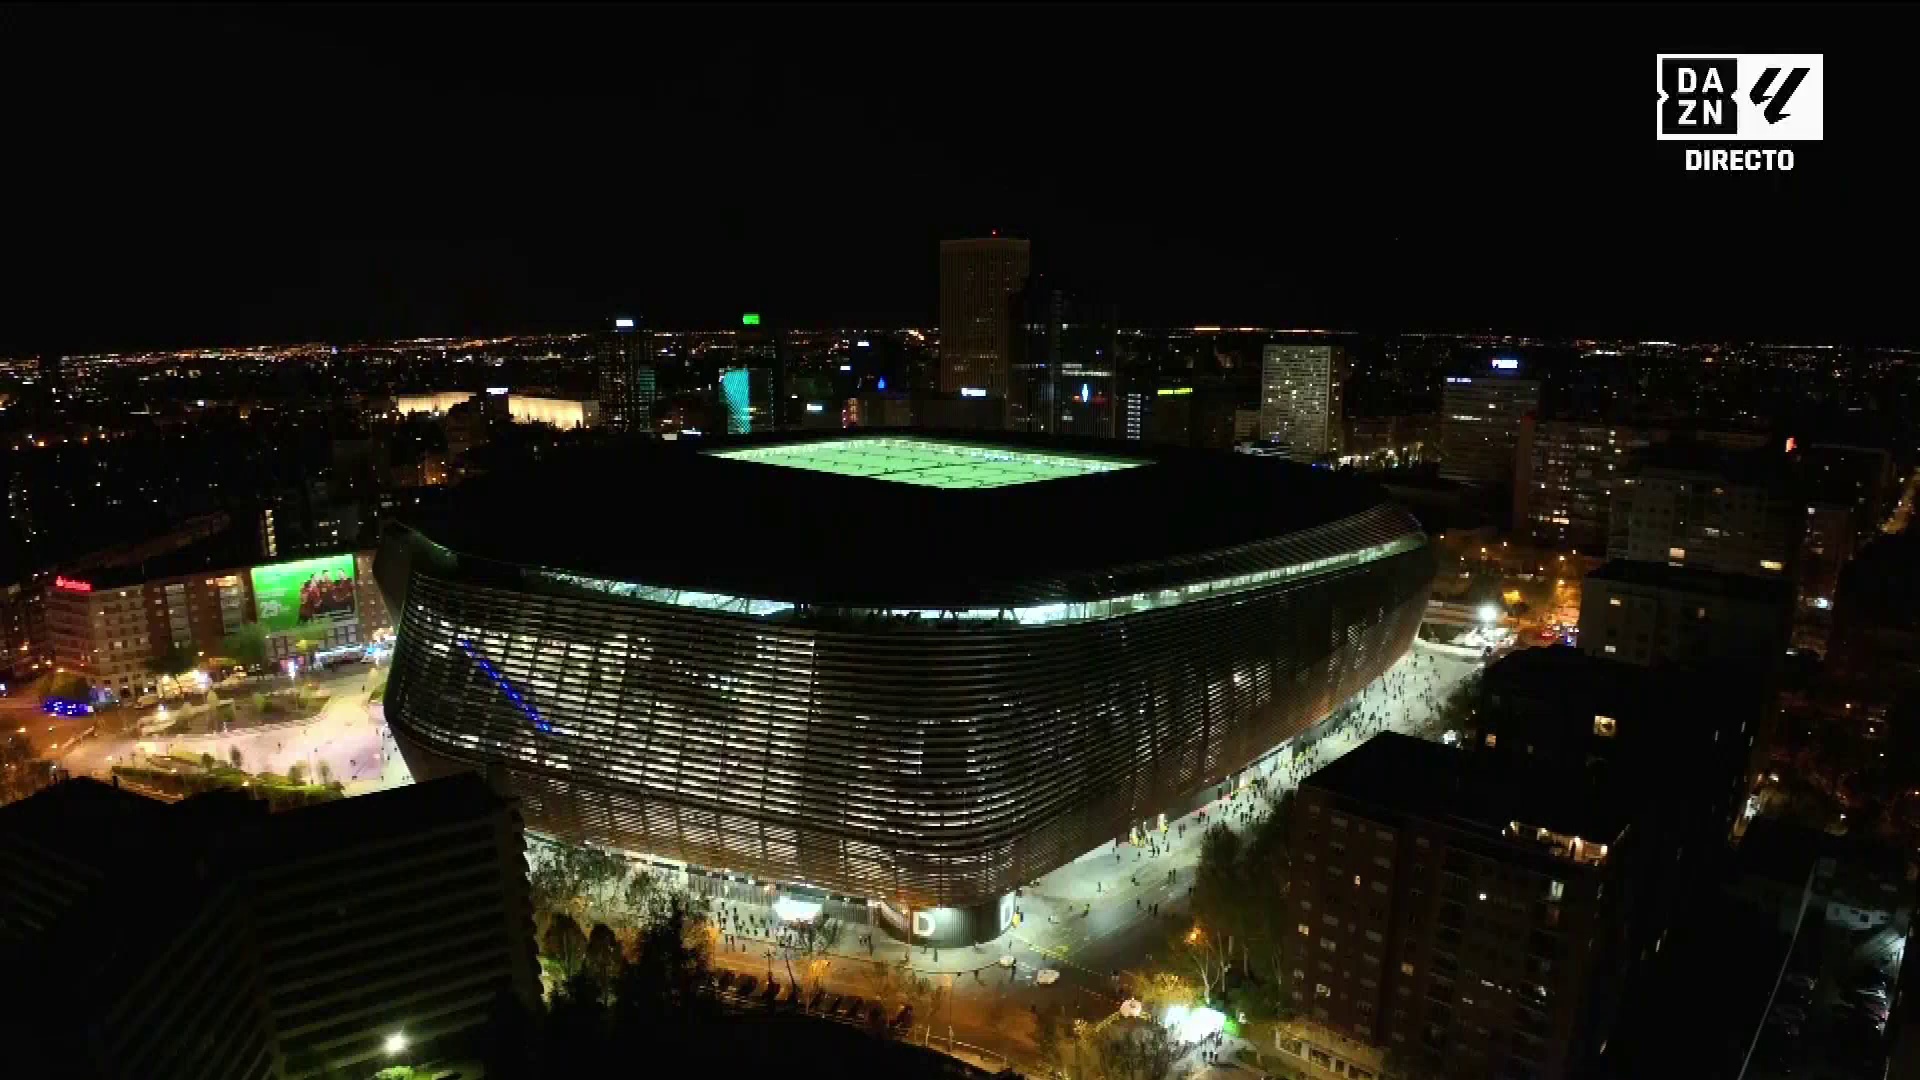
column 1093, row 917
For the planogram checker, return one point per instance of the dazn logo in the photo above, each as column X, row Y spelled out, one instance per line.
column 1755, row 97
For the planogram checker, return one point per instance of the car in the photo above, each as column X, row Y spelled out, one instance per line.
column 1791, row 1013
column 814, row 1002
column 903, row 1019
column 1801, row 981
column 745, row 986
column 850, row 1006
column 723, row 980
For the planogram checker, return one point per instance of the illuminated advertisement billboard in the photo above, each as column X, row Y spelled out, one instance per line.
column 290, row 594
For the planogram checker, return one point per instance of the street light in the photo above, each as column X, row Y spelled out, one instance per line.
column 396, row 1043
column 1489, row 614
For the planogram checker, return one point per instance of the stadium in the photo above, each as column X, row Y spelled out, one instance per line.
column 906, row 668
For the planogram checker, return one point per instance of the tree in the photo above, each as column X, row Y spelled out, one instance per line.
column 66, row 686
column 1200, row 954
column 603, row 956
column 669, row 981
column 176, row 659
column 234, row 757
column 636, row 897
column 21, row 774
column 1066, row 1045
column 326, row 773
column 1142, row 1051
column 565, row 943
column 246, row 646
column 297, row 773
column 811, row 939
column 577, row 879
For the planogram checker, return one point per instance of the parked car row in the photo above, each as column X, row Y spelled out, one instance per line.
column 848, row 1007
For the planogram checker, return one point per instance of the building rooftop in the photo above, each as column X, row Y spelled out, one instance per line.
column 1479, row 794
column 1696, row 580
column 908, row 518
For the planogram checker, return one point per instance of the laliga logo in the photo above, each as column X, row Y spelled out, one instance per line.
column 1754, row 98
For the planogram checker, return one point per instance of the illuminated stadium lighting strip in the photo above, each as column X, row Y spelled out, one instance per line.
column 1031, row 615
column 506, row 687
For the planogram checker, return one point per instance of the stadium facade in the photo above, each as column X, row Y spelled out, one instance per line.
column 906, row 669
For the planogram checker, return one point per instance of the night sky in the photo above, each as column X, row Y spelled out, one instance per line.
column 220, row 176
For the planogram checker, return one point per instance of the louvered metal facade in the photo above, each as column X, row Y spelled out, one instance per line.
column 926, row 759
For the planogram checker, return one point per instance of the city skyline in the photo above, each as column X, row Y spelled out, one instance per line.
column 1086, row 542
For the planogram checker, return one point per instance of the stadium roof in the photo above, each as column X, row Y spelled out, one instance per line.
column 901, row 518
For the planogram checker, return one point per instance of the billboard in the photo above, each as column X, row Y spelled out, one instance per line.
column 290, row 594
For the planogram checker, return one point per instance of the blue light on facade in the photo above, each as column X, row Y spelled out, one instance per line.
column 506, row 687
column 735, row 394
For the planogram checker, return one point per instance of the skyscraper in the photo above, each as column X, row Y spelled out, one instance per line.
column 1480, row 422
column 977, row 281
column 625, row 377
column 1300, row 398
column 736, row 398
column 1061, row 374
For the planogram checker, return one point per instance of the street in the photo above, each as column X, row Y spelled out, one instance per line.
column 1092, row 918
column 1087, row 920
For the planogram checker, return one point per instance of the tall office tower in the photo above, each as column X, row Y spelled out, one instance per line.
column 977, row 281
column 757, row 348
column 1300, row 398
column 625, row 377
column 736, row 398
column 1061, row 369
column 1480, row 422
column 1566, row 481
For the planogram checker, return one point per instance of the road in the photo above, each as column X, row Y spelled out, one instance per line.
column 1086, row 920
column 1090, row 919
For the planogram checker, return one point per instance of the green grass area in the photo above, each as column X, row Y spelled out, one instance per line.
column 928, row 462
column 192, row 776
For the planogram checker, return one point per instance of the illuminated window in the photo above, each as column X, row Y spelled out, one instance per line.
column 1406, row 968
column 1676, row 553
column 1305, row 930
column 1603, row 726
column 1770, row 564
column 1492, row 738
column 1613, row 601
column 1611, row 649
